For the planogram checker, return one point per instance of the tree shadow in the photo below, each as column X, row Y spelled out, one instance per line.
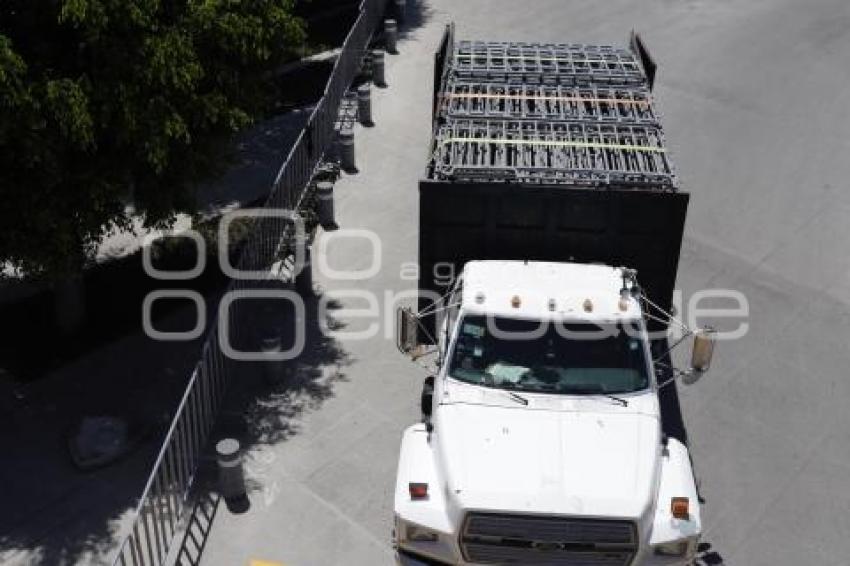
column 263, row 407
column 53, row 512
column 417, row 14
column 264, row 404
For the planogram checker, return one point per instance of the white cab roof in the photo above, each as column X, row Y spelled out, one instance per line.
column 490, row 287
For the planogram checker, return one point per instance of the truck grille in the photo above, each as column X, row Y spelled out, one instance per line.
column 513, row 539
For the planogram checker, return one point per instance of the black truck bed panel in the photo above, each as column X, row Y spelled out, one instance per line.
column 459, row 222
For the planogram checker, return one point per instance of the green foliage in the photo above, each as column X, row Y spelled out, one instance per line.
column 102, row 97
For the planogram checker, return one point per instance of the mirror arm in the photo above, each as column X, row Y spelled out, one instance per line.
column 422, row 326
column 673, row 347
column 677, row 373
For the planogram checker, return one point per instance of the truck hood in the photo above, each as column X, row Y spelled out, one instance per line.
column 588, row 463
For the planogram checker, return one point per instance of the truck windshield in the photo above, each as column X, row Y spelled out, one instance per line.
column 531, row 355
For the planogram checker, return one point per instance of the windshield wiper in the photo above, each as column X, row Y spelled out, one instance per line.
column 618, row 400
column 516, row 397
column 596, row 391
column 513, row 396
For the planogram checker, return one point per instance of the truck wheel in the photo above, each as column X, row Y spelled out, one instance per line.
column 426, row 402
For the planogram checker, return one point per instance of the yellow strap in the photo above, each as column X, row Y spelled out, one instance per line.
column 595, row 145
column 537, row 97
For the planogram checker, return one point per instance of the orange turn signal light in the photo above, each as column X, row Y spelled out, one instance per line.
column 679, row 507
column 418, row 490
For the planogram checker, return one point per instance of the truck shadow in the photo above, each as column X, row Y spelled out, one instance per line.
column 673, row 425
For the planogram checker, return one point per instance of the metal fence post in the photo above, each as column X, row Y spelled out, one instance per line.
column 364, row 105
column 304, row 278
column 346, row 150
column 325, row 198
column 231, row 479
column 391, row 36
column 378, row 70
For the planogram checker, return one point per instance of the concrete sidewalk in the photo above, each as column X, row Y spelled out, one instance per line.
column 768, row 424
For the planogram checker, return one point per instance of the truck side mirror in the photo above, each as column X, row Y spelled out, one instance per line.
column 703, row 349
column 406, row 335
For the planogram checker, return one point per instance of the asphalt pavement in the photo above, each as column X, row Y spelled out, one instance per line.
column 754, row 100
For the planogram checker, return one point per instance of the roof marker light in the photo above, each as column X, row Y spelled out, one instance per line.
column 479, row 298
column 587, row 305
column 679, row 507
column 551, row 304
column 516, row 301
column 418, row 490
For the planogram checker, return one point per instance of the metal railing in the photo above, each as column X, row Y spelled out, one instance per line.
column 163, row 504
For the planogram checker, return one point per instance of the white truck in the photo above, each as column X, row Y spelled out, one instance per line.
column 551, row 431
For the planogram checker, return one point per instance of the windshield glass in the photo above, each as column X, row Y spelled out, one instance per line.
column 568, row 358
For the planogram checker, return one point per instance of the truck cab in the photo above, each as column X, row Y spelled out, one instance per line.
column 541, row 440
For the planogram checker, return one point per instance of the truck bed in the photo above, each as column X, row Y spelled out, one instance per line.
column 551, row 152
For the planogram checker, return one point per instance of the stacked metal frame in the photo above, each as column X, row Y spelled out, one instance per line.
column 541, row 113
column 575, row 153
column 546, row 63
column 470, row 99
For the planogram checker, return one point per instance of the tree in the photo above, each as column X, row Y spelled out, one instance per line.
column 103, row 98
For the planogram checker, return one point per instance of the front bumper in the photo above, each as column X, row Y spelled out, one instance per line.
column 407, row 558
column 416, row 465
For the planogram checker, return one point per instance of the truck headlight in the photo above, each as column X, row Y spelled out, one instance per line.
column 416, row 533
column 678, row 548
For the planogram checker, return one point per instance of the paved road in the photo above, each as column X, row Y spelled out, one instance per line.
column 754, row 95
